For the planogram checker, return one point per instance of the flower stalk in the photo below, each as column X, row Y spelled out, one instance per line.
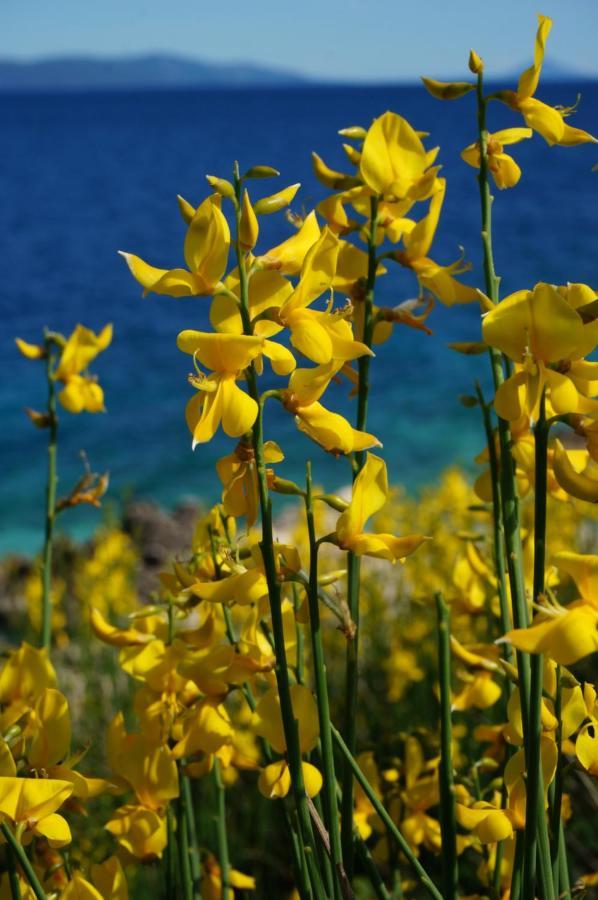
column 46, row 623
column 23, row 860
column 353, row 561
column 319, row 665
column 274, row 594
column 448, row 823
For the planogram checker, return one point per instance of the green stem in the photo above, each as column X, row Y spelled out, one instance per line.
column 510, row 500
column 193, row 848
column 23, row 860
column 46, row 626
column 371, row 869
column 171, row 847
column 319, row 664
column 13, row 875
column 535, row 817
column 448, row 822
column 556, row 788
column 353, row 562
column 186, row 878
column 498, row 528
column 267, row 549
column 221, row 833
column 370, row 793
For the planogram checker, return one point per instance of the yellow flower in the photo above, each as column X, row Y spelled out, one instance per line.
column 79, row 888
column 32, row 803
column 219, row 399
column 370, row 493
column 576, row 473
column 504, row 169
column 586, row 745
column 109, row 878
column 566, row 634
column 547, row 120
column 394, row 162
column 287, row 258
column 81, row 392
column 211, row 881
column 545, row 335
column 319, row 335
column 489, row 823
column 206, row 253
column 147, row 767
column 238, row 475
column 433, row 277
column 330, row 430
column 275, row 779
column 140, row 831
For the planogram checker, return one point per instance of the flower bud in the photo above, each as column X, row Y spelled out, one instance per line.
column 333, row 501
column 221, row 186
column 186, row 210
column 354, row 132
column 261, row 172
column 30, row 351
column 282, row 486
column 274, row 202
column 447, row 90
column 331, row 577
column 248, row 227
column 476, row 63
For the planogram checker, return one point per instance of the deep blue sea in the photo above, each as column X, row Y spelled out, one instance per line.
column 83, row 176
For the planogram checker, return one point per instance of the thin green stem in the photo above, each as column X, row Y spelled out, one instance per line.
column 267, row 549
column 371, row 869
column 509, row 497
column 319, row 664
column 23, row 860
column 13, row 875
column 171, row 851
column 221, row 833
column 535, row 818
column 448, row 822
column 556, row 788
column 498, row 528
column 353, row 562
column 46, row 626
column 185, row 876
column 370, row 793
column 193, row 847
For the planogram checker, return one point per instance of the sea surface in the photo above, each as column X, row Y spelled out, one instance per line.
column 85, row 175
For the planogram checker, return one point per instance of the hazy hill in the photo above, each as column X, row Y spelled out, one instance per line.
column 136, row 72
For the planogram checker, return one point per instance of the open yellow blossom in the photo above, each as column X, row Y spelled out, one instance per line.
column 504, row 169
column 586, row 745
column 394, row 162
column 571, row 633
column 320, row 335
column 32, row 804
column 238, row 475
column 275, row 779
column 219, row 399
column 549, row 121
column 576, row 473
column 370, row 493
column 328, row 429
column 206, row 253
column 287, row 258
column 81, row 392
column 109, row 878
column 488, row 822
column 545, row 335
column 433, row 277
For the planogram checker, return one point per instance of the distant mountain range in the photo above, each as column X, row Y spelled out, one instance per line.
column 159, row 70
column 164, row 71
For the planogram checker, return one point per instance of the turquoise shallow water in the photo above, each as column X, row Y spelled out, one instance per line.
column 86, row 175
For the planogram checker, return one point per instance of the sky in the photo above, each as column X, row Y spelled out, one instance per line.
column 350, row 40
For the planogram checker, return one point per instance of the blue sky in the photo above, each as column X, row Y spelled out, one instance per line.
column 361, row 40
